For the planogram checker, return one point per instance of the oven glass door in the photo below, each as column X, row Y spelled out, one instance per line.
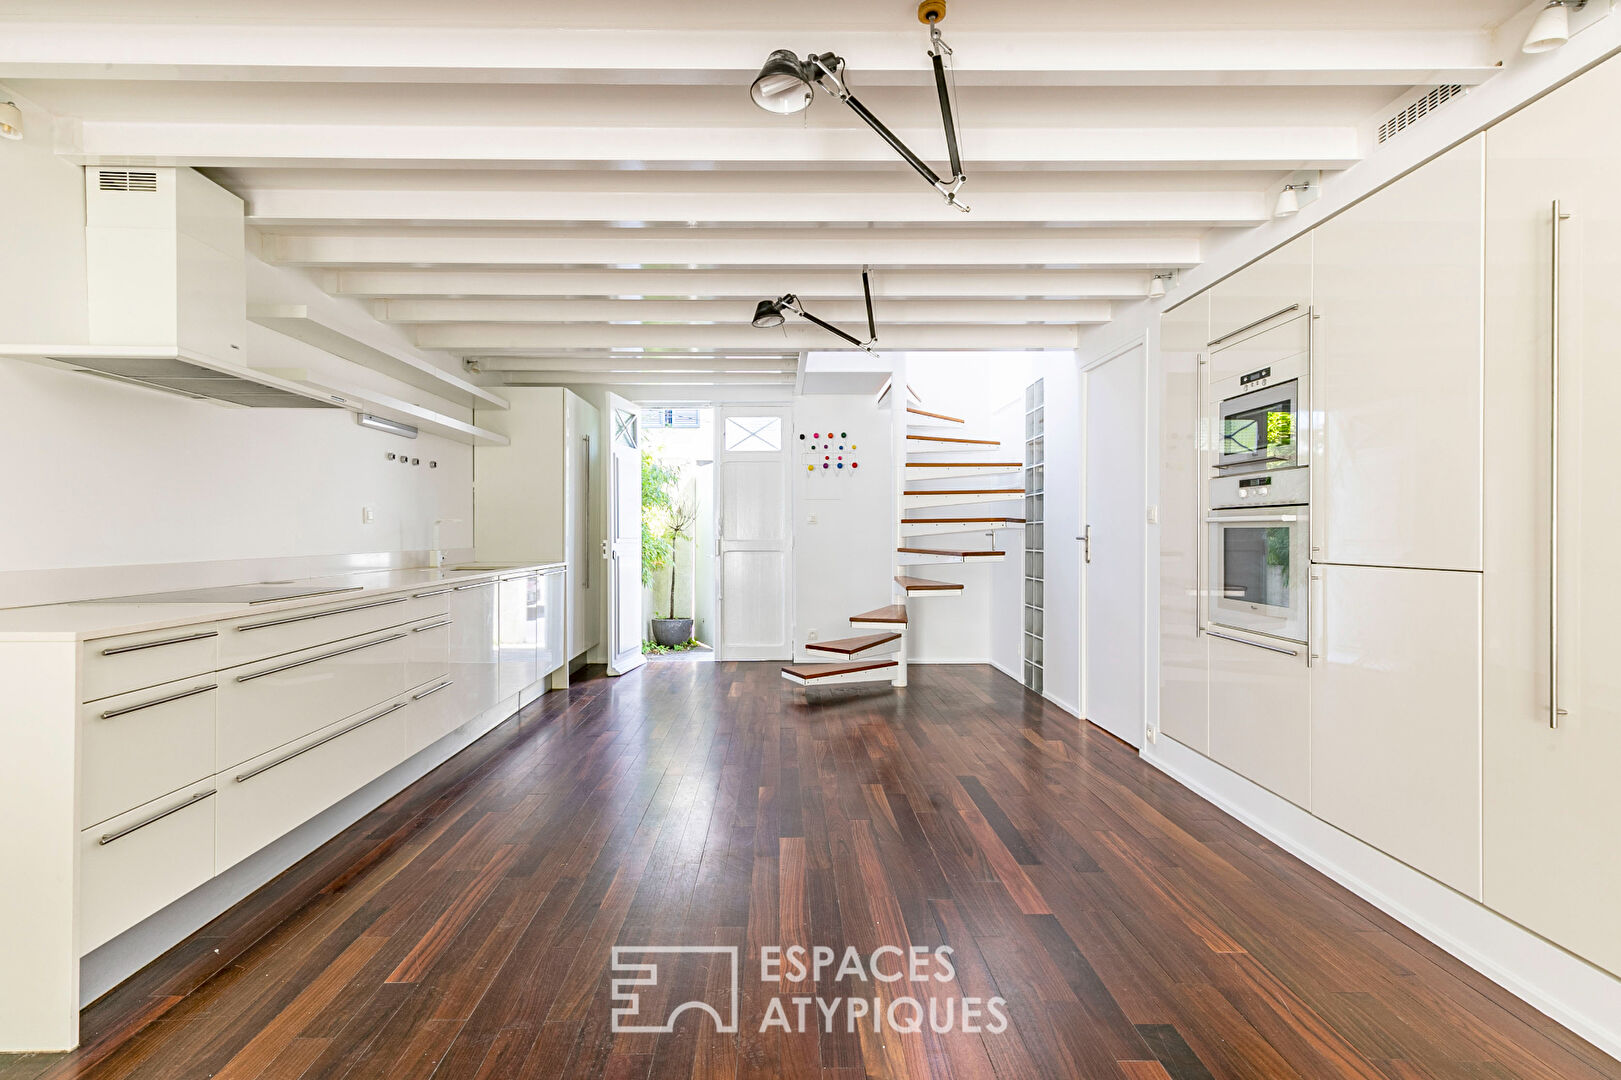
column 1259, row 427
column 1258, row 571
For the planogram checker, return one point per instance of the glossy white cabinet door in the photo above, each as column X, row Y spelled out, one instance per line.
column 518, row 630
column 1259, row 714
column 1264, row 288
column 1396, row 372
column 1552, row 799
column 136, row 747
column 475, row 658
column 1184, row 662
column 136, row 863
column 553, row 626
column 1395, row 714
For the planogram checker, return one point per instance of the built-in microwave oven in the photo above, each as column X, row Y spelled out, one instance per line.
column 1259, row 553
column 1261, row 412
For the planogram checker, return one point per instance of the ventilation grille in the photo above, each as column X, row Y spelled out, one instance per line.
column 128, row 180
column 1418, row 109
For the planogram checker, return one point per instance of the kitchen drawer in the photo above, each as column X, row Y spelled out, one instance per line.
column 138, row 746
column 435, row 711
column 255, row 637
column 116, row 665
column 1260, row 711
column 284, row 698
column 269, row 796
column 430, row 649
column 132, row 865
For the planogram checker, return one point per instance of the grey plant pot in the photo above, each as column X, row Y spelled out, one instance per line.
column 669, row 632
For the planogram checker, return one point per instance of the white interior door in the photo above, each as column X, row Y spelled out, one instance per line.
column 1112, row 578
column 754, row 538
column 622, row 532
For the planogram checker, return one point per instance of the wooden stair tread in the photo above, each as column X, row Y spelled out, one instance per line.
column 936, row 416
column 889, row 613
column 956, row 520
column 822, row 671
column 971, row 491
column 852, row 645
column 953, row 439
column 907, row 582
column 1009, row 465
column 955, row 553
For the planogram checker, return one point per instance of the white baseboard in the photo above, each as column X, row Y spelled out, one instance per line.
column 1562, row 986
column 110, row 964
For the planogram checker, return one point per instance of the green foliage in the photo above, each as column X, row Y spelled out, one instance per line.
column 659, row 482
column 654, row 648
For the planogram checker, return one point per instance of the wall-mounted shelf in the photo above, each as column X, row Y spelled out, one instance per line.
column 390, row 408
column 295, row 321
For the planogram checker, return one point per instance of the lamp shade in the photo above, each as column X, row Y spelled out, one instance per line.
column 1288, row 203
column 768, row 313
column 782, row 85
column 11, row 120
column 1156, row 288
column 1550, row 30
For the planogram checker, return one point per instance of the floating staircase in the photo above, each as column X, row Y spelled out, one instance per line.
column 942, row 476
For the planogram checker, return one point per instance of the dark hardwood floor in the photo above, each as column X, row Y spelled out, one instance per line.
column 465, row 928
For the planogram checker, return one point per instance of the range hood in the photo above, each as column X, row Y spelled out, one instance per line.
column 175, row 372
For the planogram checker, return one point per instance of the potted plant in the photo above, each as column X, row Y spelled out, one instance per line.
column 679, row 521
column 664, row 521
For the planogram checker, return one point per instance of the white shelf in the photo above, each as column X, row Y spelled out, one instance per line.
column 295, row 321
column 390, row 408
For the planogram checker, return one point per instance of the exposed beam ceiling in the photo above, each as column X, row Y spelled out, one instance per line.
column 560, row 193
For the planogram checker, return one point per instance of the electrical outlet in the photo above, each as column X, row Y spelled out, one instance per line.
column 811, row 520
column 811, row 636
column 367, row 515
column 1153, row 734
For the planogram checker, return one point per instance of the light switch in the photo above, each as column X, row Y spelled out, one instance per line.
column 367, row 515
column 811, row 520
column 1153, row 515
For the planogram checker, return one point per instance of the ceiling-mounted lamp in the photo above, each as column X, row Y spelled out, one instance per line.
column 786, row 84
column 1551, row 28
column 11, row 120
column 769, row 314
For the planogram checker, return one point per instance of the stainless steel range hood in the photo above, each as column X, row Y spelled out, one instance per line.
column 177, row 372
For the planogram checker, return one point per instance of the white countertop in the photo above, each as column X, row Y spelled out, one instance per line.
column 93, row 619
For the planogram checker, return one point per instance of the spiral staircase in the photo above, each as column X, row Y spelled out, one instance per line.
column 948, row 484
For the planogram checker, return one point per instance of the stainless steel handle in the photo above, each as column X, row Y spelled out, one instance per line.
column 474, row 585
column 193, row 692
column 1252, row 461
column 117, row 649
column 320, row 614
column 1316, row 623
column 1254, row 644
column 1247, row 519
column 432, row 626
column 430, row 691
column 318, row 659
column 1554, row 711
column 434, row 592
column 107, row 838
column 1251, row 326
column 284, row 759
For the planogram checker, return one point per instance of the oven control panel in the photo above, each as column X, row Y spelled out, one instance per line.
column 1277, row 487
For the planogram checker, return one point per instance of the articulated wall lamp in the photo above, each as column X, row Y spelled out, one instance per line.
column 786, row 84
column 769, row 313
column 1551, row 28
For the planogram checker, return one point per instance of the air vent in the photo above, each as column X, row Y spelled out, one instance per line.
column 1418, row 109
column 127, row 180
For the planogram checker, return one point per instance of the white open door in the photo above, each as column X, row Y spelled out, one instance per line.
column 622, row 532
column 754, row 538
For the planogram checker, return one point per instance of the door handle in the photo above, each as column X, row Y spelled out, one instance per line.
column 1086, row 540
column 1554, row 710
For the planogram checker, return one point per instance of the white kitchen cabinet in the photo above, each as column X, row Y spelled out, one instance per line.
column 1259, row 712
column 1184, row 660
column 138, row 746
column 1397, row 372
column 132, row 865
column 1396, row 714
column 428, row 656
column 1276, row 285
column 552, row 620
column 519, row 632
column 475, row 658
column 1551, row 794
column 115, row 665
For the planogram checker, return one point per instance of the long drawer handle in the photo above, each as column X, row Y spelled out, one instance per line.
column 1253, row 325
column 475, row 585
column 117, row 649
column 434, row 592
column 318, row 659
column 432, row 626
column 321, row 614
column 127, row 709
column 430, row 691
column 108, row 838
column 396, row 707
column 1254, row 644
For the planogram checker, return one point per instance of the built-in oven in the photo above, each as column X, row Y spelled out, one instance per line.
column 1260, row 408
column 1259, row 553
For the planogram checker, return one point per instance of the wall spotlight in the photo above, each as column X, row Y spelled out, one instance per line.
column 769, row 314
column 11, row 120
column 1289, row 201
column 1551, row 28
column 1156, row 287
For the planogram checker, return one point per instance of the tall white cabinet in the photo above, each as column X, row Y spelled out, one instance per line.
column 1553, row 795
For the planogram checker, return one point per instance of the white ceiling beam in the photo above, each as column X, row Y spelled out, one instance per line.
column 741, row 285
column 332, row 52
column 517, row 339
column 740, row 311
column 630, row 251
column 757, row 145
column 305, row 207
column 567, row 378
column 492, row 365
